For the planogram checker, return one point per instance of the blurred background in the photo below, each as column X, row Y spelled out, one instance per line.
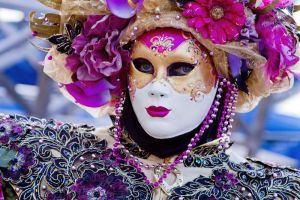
column 270, row 133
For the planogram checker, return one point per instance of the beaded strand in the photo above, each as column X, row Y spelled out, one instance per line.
column 224, row 126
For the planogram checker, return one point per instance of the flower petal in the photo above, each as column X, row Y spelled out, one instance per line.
column 90, row 93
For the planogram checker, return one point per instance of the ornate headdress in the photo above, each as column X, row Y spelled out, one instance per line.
column 252, row 42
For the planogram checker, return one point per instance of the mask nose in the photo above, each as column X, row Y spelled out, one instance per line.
column 159, row 89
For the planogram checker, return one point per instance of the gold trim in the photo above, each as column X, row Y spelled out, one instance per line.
column 133, row 5
column 296, row 8
column 45, row 26
column 56, row 4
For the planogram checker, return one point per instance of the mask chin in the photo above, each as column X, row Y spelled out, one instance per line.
column 164, row 113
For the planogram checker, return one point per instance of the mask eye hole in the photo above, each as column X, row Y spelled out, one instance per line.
column 180, row 69
column 143, row 65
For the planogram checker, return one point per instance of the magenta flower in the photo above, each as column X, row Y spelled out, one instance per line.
column 219, row 20
column 98, row 60
column 277, row 44
column 91, row 93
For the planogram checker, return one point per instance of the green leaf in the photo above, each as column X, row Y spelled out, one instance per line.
column 6, row 155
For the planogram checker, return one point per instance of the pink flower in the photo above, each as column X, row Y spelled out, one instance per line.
column 277, row 44
column 219, row 20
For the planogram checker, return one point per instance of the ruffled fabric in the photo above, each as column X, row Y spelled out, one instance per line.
column 97, row 61
column 277, row 44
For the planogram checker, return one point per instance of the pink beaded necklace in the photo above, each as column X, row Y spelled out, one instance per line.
column 222, row 131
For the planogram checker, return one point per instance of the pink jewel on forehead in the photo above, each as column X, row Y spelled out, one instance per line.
column 162, row 43
column 164, row 39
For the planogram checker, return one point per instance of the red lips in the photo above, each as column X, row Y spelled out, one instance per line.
column 160, row 111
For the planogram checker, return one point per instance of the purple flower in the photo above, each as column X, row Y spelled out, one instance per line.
column 98, row 59
column 91, row 93
column 278, row 45
column 20, row 164
column 223, row 179
column 100, row 186
column 10, row 130
column 124, row 8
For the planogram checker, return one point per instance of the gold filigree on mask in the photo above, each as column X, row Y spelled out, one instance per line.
column 199, row 81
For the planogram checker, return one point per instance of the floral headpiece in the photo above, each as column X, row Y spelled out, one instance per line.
column 252, row 42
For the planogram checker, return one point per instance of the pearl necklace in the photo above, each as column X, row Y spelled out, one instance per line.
column 223, row 133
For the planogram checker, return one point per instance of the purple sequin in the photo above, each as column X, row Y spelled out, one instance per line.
column 100, row 185
column 223, row 179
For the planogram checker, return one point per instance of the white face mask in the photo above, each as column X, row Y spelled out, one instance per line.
column 164, row 113
column 172, row 85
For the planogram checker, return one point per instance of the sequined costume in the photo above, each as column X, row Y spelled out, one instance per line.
column 55, row 160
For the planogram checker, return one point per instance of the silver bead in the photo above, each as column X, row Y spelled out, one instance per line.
column 92, row 166
column 44, row 187
column 73, row 168
column 157, row 17
column 93, row 156
column 135, row 28
column 243, row 189
column 81, row 158
column 178, row 17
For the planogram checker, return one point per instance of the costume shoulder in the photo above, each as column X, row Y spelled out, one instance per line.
column 46, row 159
column 231, row 178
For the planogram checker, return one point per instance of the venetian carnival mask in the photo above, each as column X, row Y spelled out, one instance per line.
column 172, row 82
